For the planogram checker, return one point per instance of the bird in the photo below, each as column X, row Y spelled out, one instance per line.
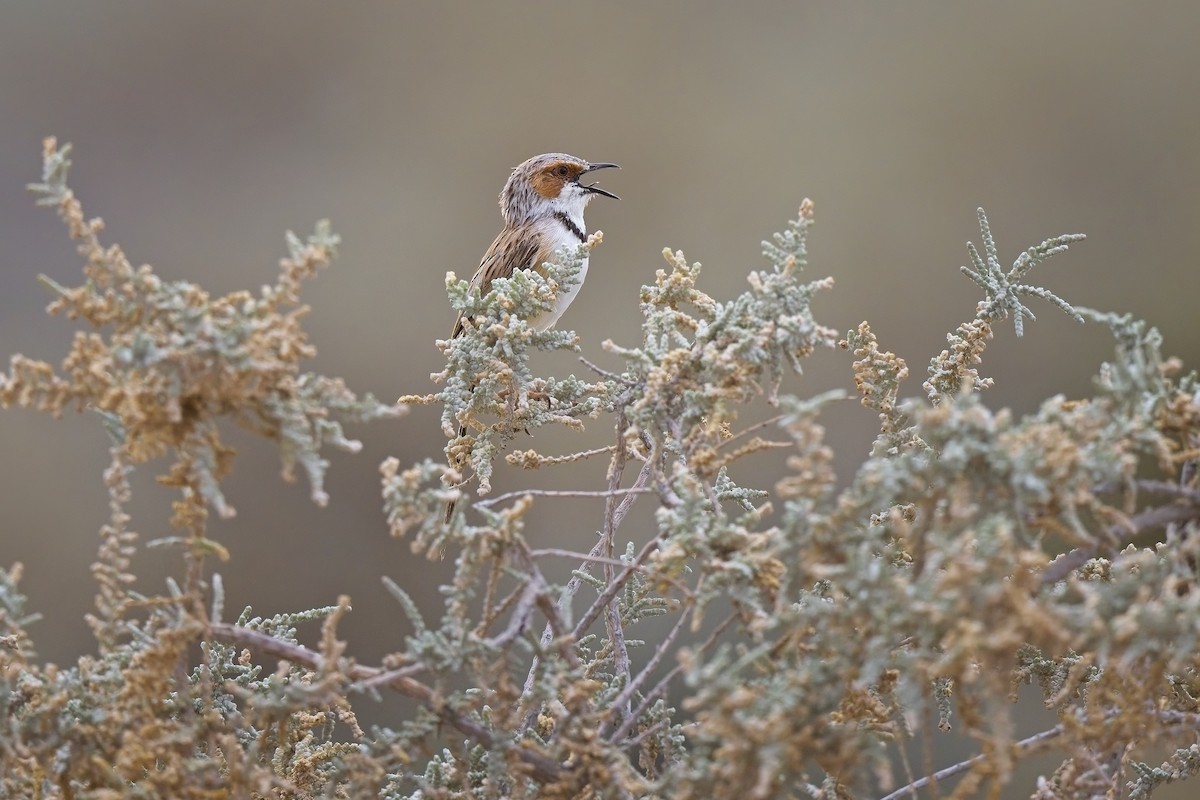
column 542, row 204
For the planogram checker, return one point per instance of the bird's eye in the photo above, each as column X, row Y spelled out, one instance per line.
column 561, row 170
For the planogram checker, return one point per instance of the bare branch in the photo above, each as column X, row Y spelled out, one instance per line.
column 661, row 687
column 1024, row 746
column 633, row 490
column 1147, row 520
column 660, row 650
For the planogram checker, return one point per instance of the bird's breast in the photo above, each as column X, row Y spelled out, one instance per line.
column 566, row 294
column 557, row 237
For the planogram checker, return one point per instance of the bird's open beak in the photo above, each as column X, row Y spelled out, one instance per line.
column 593, row 188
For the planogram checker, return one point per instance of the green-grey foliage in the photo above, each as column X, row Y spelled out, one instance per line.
column 807, row 633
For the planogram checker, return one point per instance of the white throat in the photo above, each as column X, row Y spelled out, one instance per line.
column 570, row 203
column 563, row 237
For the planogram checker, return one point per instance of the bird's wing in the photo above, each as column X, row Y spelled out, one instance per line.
column 512, row 250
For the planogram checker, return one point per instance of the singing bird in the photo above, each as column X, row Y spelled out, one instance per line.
column 542, row 204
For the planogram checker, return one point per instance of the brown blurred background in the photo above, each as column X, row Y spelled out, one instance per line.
column 203, row 131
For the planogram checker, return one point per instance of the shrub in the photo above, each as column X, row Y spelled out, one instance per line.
column 815, row 630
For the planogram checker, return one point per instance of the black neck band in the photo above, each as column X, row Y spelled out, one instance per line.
column 571, row 226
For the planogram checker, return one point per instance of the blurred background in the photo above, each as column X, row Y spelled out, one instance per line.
column 204, row 131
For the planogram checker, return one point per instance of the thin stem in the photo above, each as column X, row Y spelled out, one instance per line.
column 623, row 700
column 1028, row 743
column 1152, row 518
column 489, row 598
column 682, row 587
column 599, row 370
column 639, row 487
column 575, row 554
column 641, row 737
column 613, row 587
column 612, row 621
column 516, row 624
column 756, row 426
column 665, row 682
column 385, row 678
column 564, row 601
column 1166, row 487
column 562, row 493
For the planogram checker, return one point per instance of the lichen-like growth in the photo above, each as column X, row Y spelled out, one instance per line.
column 175, row 359
column 805, row 633
column 162, row 363
column 953, row 369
